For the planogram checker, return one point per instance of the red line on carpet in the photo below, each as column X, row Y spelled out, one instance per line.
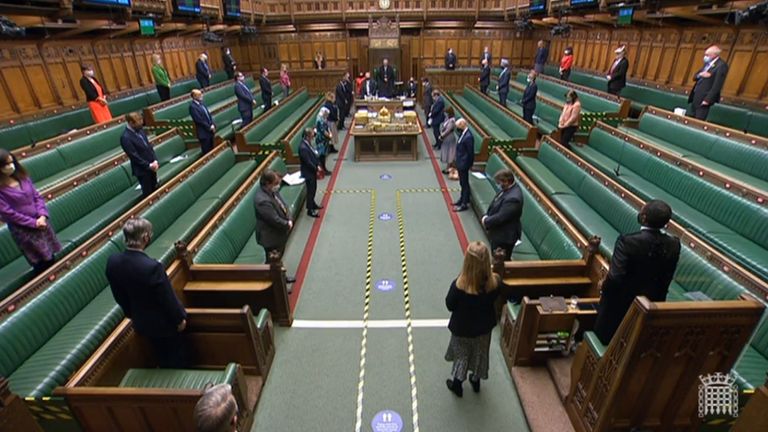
column 306, row 257
column 457, row 226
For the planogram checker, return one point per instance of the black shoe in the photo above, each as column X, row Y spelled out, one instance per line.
column 318, row 207
column 475, row 384
column 454, row 385
column 333, row 150
column 460, row 208
column 456, row 203
column 328, row 172
column 290, row 279
column 445, row 171
column 313, row 213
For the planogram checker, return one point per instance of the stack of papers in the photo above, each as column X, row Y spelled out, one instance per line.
column 293, row 179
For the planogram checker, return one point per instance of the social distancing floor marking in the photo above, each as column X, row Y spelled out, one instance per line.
column 378, row 324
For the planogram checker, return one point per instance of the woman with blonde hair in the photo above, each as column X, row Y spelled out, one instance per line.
column 285, row 80
column 162, row 79
column 333, row 119
column 471, row 301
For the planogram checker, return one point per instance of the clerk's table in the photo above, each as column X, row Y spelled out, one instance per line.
column 384, row 137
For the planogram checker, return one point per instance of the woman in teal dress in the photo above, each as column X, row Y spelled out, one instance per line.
column 323, row 137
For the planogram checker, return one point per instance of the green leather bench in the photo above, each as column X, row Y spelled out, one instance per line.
column 732, row 158
column 589, row 102
column 86, row 209
column 542, row 238
column 280, row 120
column 596, row 210
column 25, row 133
column 294, row 141
column 490, row 118
column 735, row 225
column 188, row 379
column 223, row 119
column 475, row 132
column 212, row 98
column 49, row 337
column 233, row 242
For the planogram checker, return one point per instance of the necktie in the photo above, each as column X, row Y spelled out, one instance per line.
column 207, row 114
column 615, row 65
column 280, row 203
column 498, row 195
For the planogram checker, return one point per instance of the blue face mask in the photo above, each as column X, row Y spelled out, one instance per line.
column 707, row 59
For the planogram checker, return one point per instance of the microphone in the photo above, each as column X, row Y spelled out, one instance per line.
column 617, row 170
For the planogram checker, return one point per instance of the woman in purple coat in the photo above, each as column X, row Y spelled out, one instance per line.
column 23, row 209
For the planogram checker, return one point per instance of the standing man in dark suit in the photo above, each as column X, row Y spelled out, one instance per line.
column 135, row 144
column 542, row 53
column 230, row 66
column 368, row 89
column 486, row 56
column 643, row 264
column 413, row 88
column 503, row 87
column 485, row 77
column 343, row 101
column 141, row 287
column 309, row 162
column 202, row 71
column 386, row 79
column 709, row 82
column 502, row 220
column 273, row 221
column 203, row 120
column 245, row 101
column 436, row 116
column 266, row 89
column 450, row 60
column 465, row 158
column 426, row 91
column 529, row 97
column 350, row 89
column 617, row 74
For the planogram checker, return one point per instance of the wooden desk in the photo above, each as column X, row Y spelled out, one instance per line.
column 393, row 105
column 385, row 146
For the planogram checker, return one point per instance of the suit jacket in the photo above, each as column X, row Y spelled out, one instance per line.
column 471, row 315
column 643, row 263
column 619, row 77
column 541, row 55
column 142, row 289
column 708, row 89
column 413, row 88
column 485, row 75
column 529, row 95
column 465, row 150
column 427, row 98
column 229, row 64
column 202, row 72
column 503, row 87
column 266, row 87
column 320, row 65
column 202, row 118
column 271, row 219
column 90, row 90
column 386, row 88
column 308, row 160
column 341, row 95
column 437, row 113
column 504, row 212
column 368, row 88
column 244, row 97
column 486, row 56
column 139, row 151
column 450, row 61
column 333, row 111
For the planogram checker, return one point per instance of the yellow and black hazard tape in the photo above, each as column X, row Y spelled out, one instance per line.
column 420, row 190
column 347, row 191
column 407, row 305
column 366, row 308
column 50, row 409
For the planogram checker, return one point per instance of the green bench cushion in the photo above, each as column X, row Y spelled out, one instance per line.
column 597, row 347
column 275, row 117
column 492, row 128
column 188, row 379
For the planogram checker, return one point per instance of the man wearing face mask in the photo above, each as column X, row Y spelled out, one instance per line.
column 643, row 264
column 230, row 66
column 617, row 73
column 95, row 94
column 203, row 120
column 485, row 77
column 709, row 82
column 203, row 71
column 529, row 97
column 465, row 158
column 502, row 220
column 245, row 101
column 273, row 221
column 142, row 155
column 266, row 89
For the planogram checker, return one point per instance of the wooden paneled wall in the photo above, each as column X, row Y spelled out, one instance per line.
column 672, row 56
column 46, row 75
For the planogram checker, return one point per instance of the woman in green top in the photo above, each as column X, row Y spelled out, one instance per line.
column 162, row 80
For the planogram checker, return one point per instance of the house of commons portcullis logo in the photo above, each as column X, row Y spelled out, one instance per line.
column 718, row 395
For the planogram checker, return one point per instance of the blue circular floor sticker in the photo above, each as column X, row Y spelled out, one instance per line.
column 385, row 177
column 385, row 285
column 387, row 421
column 385, row 216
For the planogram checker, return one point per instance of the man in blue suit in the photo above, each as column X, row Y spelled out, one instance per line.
column 309, row 161
column 202, row 71
column 245, row 100
column 135, row 144
column 141, row 287
column 436, row 116
column 529, row 97
column 503, row 87
column 465, row 158
column 204, row 126
column 485, row 77
column 266, row 89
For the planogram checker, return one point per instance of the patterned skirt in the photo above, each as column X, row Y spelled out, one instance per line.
column 36, row 245
column 469, row 354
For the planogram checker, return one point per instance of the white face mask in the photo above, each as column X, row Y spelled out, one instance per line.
column 8, row 169
column 528, row 79
column 276, row 189
column 89, row 73
column 707, row 59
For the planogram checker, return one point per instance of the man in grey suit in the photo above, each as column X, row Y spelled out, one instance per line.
column 273, row 221
column 502, row 220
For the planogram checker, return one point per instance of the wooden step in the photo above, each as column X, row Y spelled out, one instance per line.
column 541, row 402
column 543, row 281
column 560, row 371
column 209, row 285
